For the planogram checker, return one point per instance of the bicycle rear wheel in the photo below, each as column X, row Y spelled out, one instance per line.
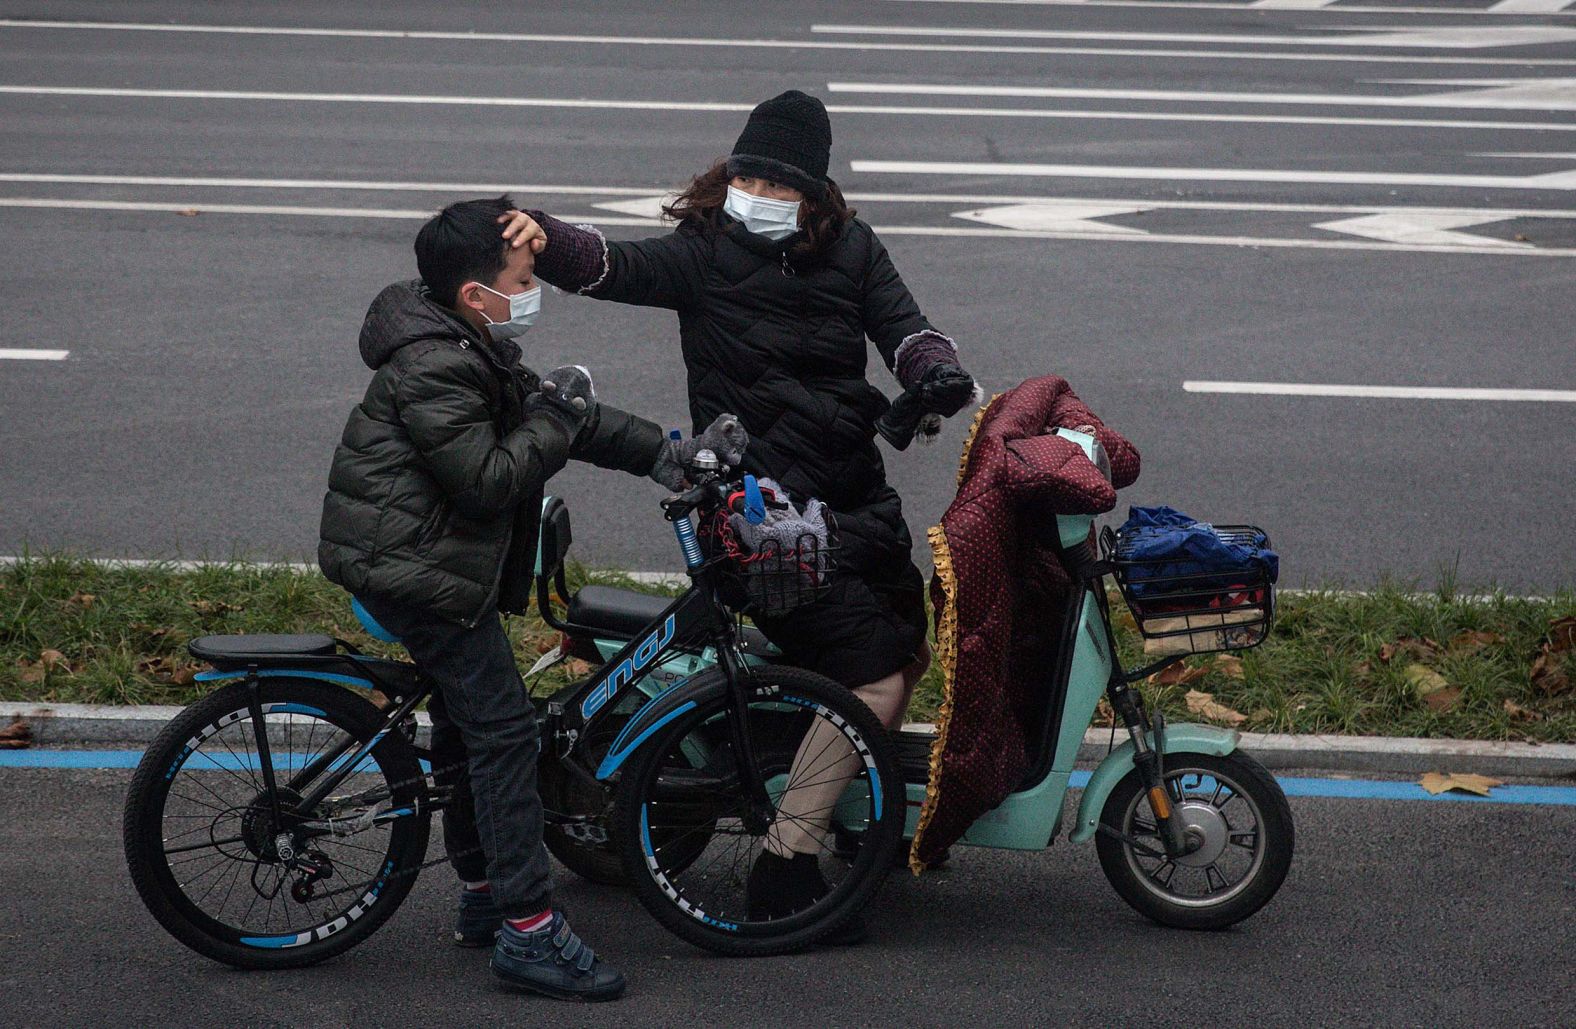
column 688, row 835
column 240, row 873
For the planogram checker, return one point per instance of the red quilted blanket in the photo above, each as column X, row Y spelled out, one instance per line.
column 996, row 589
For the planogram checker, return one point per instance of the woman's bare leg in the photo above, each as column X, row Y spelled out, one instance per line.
column 826, row 763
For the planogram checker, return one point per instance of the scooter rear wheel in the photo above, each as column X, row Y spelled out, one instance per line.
column 1237, row 811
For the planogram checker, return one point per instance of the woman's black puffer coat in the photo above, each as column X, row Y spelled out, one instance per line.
column 783, row 346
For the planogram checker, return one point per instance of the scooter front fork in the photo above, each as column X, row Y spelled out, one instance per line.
column 1150, row 762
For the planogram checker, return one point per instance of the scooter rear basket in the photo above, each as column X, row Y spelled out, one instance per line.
column 1184, row 606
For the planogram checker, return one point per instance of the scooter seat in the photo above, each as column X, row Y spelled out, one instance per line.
column 614, row 611
column 259, row 648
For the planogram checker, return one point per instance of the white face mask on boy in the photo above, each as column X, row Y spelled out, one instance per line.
column 774, row 219
column 523, row 309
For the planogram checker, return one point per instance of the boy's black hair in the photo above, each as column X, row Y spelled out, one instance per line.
column 462, row 243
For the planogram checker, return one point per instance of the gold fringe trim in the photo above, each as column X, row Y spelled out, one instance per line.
column 947, row 654
column 946, row 649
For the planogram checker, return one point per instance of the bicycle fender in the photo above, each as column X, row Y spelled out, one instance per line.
column 1181, row 738
column 657, row 712
column 214, row 675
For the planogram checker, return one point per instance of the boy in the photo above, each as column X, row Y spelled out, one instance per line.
column 431, row 519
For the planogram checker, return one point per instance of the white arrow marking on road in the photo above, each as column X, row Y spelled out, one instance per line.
column 1441, row 38
column 1073, row 217
column 33, row 355
column 641, row 207
column 1511, row 94
column 1314, row 389
column 1530, row 6
column 1551, row 180
column 1501, row 94
column 1428, row 229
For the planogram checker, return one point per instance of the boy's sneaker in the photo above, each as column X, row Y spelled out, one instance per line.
column 553, row 962
column 479, row 919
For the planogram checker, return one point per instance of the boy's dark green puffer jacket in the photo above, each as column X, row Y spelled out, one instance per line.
column 435, row 493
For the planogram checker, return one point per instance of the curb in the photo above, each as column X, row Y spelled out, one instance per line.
column 78, row 724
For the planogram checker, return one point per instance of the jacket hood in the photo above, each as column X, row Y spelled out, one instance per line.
column 402, row 314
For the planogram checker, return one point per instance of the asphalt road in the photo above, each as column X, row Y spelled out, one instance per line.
column 1395, row 913
column 211, row 356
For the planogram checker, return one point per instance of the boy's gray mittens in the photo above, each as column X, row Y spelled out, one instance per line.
column 724, row 437
column 567, row 395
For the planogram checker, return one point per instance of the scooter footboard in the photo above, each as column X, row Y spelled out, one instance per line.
column 1181, row 738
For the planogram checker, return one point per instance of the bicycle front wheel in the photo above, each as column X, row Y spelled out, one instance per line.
column 242, row 872
column 690, row 835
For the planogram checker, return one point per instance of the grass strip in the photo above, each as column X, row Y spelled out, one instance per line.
column 1391, row 661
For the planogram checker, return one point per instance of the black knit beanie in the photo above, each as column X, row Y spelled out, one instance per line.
column 788, row 139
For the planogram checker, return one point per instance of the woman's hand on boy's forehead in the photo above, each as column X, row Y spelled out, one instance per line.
column 522, row 229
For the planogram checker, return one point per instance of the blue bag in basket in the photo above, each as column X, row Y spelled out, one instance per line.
column 1189, row 547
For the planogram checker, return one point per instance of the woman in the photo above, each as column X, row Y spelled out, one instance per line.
column 777, row 285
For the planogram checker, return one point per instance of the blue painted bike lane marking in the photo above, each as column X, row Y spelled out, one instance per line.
column 1348, row 789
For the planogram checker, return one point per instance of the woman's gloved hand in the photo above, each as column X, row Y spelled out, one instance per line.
column 724, row 437
column 943, row 391
column 946, row 389
column 567, row 395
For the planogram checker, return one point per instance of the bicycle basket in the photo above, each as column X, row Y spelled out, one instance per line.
column 775, row 578
column 1186, row 605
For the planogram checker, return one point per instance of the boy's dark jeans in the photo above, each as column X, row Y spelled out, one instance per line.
column 484, row 743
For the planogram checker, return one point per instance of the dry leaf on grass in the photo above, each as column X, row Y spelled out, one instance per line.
column 153, row 633
column 1547, row 674
column 1424, row 679
column 1408, row 646
column 82, row 601
column 1437, row 782
column 1562, row 634
column 1228, row 665
column 577, row 667
column 1474, row 639
column 168, row 669
column 1179, row 675
column 213, row 607
column 16, row 736
column 1103, row 715
column 1515, row 710
column 1440, row 701
column 1205, row 705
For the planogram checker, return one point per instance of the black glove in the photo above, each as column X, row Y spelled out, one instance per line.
column 567, row 396
column 943, row 391
column 724, row 437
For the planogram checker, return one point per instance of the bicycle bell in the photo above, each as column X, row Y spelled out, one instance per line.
column 705, row 461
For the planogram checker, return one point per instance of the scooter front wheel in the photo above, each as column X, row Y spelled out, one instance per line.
column 1240, row 817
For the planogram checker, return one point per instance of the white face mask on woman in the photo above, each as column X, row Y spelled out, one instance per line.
column 774, row 219
column 523, row 309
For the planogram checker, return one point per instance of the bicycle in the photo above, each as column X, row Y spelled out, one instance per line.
column 283, row 818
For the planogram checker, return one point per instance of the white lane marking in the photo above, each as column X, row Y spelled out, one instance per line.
column 1440, row 37
column 886, row 230
column 1419, row 228
column 1551, row 180
column 197, row 207
column 257, row 183
column 1055, row 217
column 1292, row 5
column 1538, row 156
column 1237, row 5
column 1310, row 389
column 1504, row 94
column 950, row 199
column 675, row 105
column 1500, row 94
column 780, row 44
column 642, row 207
column 1530, row 6
column 33, row 355
column 667, row 105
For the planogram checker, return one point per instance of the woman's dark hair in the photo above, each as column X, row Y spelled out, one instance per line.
column 463, row 242
column 821, row 222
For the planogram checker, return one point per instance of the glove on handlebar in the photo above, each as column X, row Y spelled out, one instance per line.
column 724, row 437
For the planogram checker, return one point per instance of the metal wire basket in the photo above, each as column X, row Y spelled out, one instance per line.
column 1184, row 606
column 774, row 579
